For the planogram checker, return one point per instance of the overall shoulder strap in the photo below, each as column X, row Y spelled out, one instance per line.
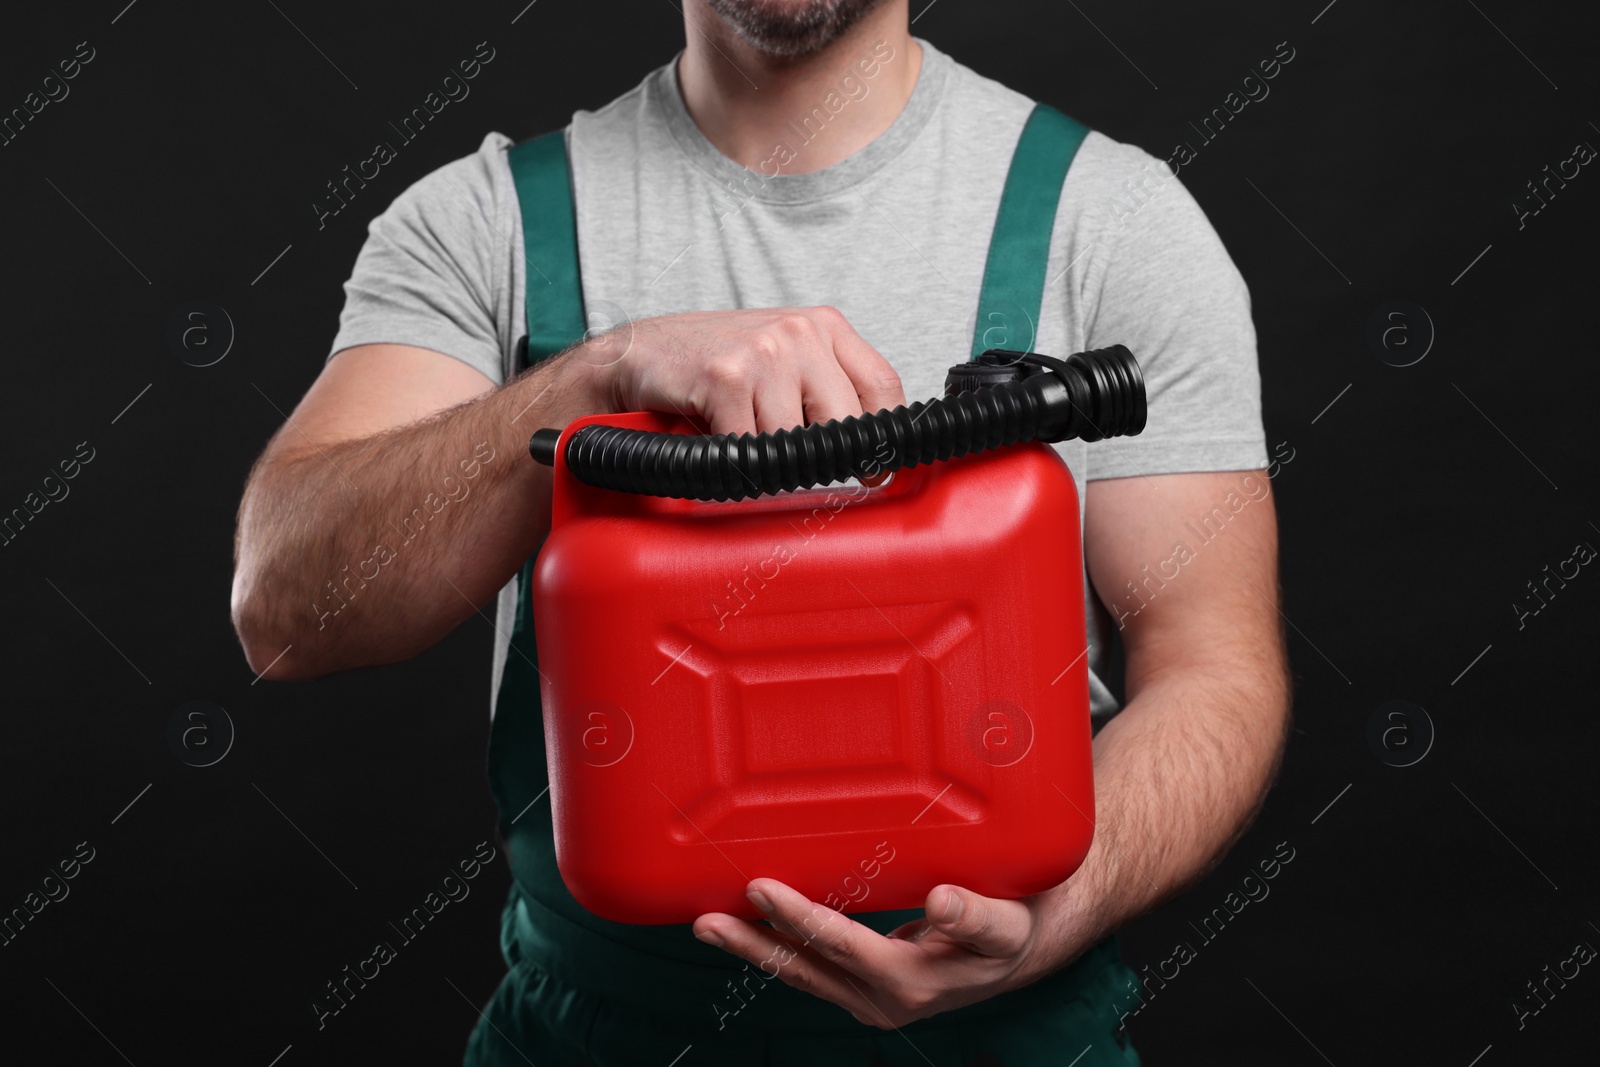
column 1019, row 248
column 554, row 298
column 554, row 290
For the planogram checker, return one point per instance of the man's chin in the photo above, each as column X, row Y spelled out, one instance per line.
column 793, row 29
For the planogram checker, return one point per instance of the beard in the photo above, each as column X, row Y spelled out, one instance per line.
column 791, row 30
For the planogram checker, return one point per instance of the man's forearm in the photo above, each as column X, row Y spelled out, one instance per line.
column 1179, row 774
column 370, row 550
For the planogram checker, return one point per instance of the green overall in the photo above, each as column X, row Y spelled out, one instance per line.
column 584, row 990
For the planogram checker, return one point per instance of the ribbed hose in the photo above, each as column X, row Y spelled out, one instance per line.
column 1090, row 395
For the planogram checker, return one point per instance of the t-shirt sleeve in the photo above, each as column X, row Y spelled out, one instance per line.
column 1163, row 285
column 433, row 270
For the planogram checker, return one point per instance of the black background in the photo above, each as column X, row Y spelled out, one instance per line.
column 187, row 157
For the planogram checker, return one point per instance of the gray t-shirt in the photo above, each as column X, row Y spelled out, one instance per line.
column 895, row 236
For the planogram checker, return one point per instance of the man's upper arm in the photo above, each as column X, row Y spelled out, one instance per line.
column 371, row 388
column 1194, row 603
column 1180, row 534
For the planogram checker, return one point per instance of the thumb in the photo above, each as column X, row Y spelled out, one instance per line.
column 990, row 927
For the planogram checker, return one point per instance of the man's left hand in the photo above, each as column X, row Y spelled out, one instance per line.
column 967, row 948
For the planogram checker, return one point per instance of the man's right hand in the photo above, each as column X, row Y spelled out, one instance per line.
column 746, row 371
column 383, row 426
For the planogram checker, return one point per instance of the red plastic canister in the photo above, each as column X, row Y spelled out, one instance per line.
column 861, row 692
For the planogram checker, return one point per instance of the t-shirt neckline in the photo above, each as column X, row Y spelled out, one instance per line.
column 666, row 99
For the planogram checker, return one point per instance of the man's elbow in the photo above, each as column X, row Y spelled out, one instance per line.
column 269, row 644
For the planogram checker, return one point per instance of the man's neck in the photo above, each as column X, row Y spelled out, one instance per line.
column 748, row 103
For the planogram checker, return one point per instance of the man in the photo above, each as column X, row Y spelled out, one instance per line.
column 792, row 219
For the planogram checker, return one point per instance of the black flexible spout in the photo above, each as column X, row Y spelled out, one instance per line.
column 1001, row 399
